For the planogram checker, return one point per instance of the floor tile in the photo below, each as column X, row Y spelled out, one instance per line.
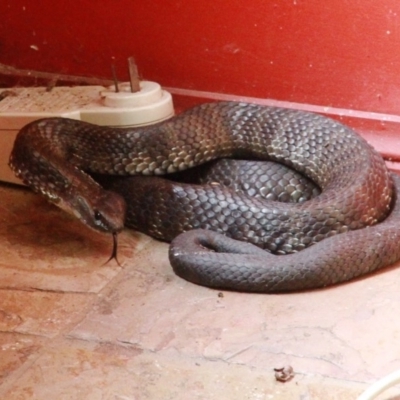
column 15, row 351
column 94, row 371
column 41, row 313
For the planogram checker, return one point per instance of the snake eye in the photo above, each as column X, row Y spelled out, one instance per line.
column 98, row 217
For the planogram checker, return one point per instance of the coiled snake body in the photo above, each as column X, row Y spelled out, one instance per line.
column 357, row 191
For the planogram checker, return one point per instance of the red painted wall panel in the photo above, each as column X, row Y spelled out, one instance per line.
column 342, row 53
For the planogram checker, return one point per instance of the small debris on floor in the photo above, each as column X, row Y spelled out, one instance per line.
column 284, row 374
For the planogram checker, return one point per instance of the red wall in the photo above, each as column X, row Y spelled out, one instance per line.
column 343, row 53
column 337, row 53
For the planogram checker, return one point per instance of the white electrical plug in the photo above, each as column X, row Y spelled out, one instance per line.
column 148, row 106
column 94, row 104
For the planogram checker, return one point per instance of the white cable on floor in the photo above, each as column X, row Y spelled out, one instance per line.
column 380, row 386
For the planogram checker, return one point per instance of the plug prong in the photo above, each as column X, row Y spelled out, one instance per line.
column 114, row 76
column 133, row 75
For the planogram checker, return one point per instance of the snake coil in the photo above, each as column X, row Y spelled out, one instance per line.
column 53, row 157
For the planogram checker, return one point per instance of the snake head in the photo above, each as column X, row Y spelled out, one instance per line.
column 104, row 212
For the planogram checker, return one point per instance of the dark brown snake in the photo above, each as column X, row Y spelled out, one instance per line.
column 357, row 191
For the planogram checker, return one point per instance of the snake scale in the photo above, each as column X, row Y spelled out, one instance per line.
column 231, row 240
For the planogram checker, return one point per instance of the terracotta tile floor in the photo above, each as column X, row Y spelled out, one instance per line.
column 74, row 328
